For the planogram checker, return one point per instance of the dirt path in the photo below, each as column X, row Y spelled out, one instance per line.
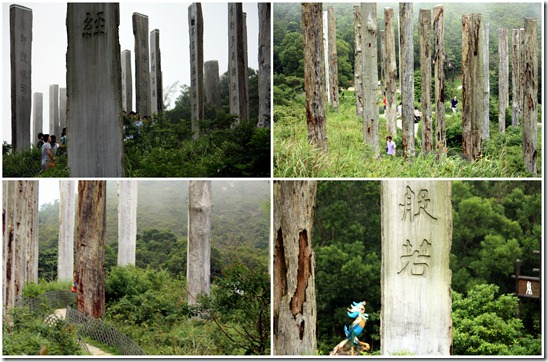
column 94, row 351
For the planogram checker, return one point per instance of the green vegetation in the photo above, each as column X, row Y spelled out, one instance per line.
column 148, row 302
column 163, row 146
column 494, row 222
column 26, row 333
column 150, row 306
column 240, row 226
column 486, row 324
column 348, row 155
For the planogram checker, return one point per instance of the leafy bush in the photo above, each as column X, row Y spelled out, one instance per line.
column 144, row 297
column 240, row 306
column 22, row 164
column 484, row 324
column 161, row 148
column 26, row 333
column 33, row 290
column 165, row 150
column 151, row 308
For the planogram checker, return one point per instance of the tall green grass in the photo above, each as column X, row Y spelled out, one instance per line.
column 349, row 156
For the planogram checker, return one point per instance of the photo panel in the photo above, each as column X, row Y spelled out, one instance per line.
column 407, row 268
column 136, row 267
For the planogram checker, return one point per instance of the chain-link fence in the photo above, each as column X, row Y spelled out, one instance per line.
column 86, row 325
column 53, row 299
column 99, row 331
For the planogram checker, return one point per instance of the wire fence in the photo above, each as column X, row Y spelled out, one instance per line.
column 53, row 299
column 102, row 332
column 87, row 326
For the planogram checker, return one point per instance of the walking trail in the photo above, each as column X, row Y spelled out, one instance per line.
column 61, row 314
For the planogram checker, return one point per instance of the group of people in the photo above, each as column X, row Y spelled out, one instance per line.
column 51, row 148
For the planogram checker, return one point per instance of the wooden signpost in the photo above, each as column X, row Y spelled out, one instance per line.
column 526, row 286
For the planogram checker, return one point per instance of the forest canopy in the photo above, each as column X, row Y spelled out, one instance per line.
column 494, row 222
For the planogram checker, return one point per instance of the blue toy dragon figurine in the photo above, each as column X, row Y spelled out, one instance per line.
column 356, row 311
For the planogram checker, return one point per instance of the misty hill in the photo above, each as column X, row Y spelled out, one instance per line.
column 240, row 222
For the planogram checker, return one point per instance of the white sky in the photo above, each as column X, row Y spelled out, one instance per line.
column 49, row 45
column 48, row 191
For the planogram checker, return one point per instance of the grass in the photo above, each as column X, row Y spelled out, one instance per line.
column 349, row 156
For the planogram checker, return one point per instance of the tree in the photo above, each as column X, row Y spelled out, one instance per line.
column 243, row 300
column 199, row 239
column 90, row 248
column 294, row 264
column 291, row 54
column 484, row 324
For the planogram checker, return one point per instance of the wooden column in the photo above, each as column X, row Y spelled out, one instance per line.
column 439, row 78
column 416, row 219
column 20, row 66
column 67, row 208
column 425, row 25
column 90, row 248
column 358, row 60
column 127, row 221
column 314, row 77
column 530, row 95
column 332, row 56
column 198, row 269
column 407, row 93
column 503, row 77
column 472, row 85
column 264, row 65
column 516, row 81
column 294, row 305
column 486, row 91
column 94, row 90
column 37, row 116
column 142, row 64
column 477, row 85
column 390, row 73
column 156, row 82
column 196, row 48
column 370, row 78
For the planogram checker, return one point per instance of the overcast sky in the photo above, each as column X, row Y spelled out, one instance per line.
column 48, row 191
column 49, row 45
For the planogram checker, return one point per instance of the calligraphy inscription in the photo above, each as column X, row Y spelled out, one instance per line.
column 415, row 261
column 94, row 24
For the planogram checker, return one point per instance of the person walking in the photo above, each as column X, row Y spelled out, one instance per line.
column 390, row 146
column 454, row 103
column 47, row 154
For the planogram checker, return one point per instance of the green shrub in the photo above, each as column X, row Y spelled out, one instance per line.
column 22, row 164
column 25, row 333
column 33, row 290
column 486, row 324
column 240, row 305
column 144, row 296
